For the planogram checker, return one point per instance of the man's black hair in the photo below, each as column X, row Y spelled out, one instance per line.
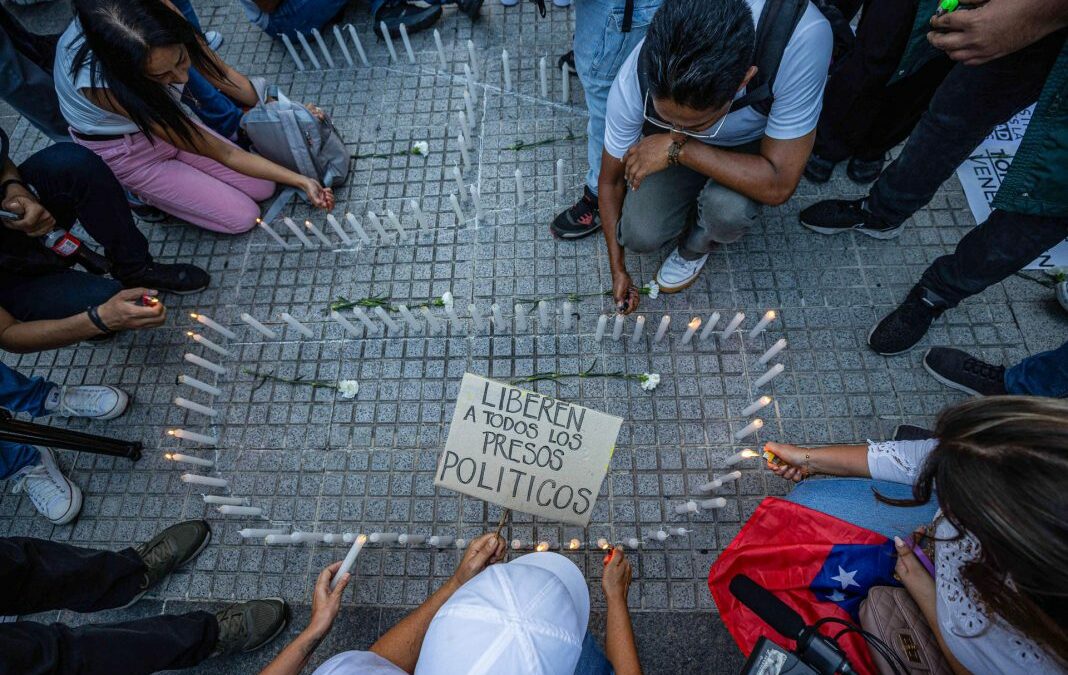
column 699, row 51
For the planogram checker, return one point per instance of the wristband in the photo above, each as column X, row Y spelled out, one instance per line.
column 673, row 152
column 94, row 316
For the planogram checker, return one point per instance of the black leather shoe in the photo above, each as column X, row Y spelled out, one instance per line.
column 864, row 170
column 832, row 216
column 414, row 18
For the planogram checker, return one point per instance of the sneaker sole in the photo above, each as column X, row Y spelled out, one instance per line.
column 75, row 509
column 669, row 289
column 874, row 234
column 946, row 381
column 571, row 236
column 903, row 351
column 191, row 558
column 286, row 617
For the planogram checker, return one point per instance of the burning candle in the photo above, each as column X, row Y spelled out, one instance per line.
column 385, row 318
column 192, row 436
column 566, row 315
column 441, row 50
column 639, row 328
column 204, row 363
column 318, row 233
column 210, row 344
column 389, row 41
column 603, row 544
column 357, row 44
column 187, row 459
column 206, row 321
column 768, row 317
column 464, row 154
column 779, row 345
column 617, row 328
column 739, row 456
column 732, row 326
column 574, row 544
column 709, row 326
column 456, row 209
column 507, row 70
column 543, row 313
column 362, row 317
column 441, row 541
column 691, row 328
column 195, row 407
column 218, row 499
column 602, row 323
column 686, row 507
column 565, row 85
column 418, row 212
column 274, row 235
column 258, row 533
column 520, row 198
column 197, row 384
column 749, row 429
column 520, row 318
column 308, row 51
column 377, row 224
column 297, row 232
column 432, row 321
column 336, row 226
column 322, row 47
column 471, row 57
column 292, row 52
column 477, row 202
column 559, row 178
column 384, row 537
column 663, row 329
column 714, row 503
column 772, row 373
column 296, row 325
column 544, row 77
column 360, row 232
column 349, row 560
column 408, row 317
column 278, row 539
column 755, row 406
column 207, row 481
column 345, row 323
column 341, row 43
column 411, row 539
column 678, row 531
column 263, row 330
column 407, row 43
column 230, row 510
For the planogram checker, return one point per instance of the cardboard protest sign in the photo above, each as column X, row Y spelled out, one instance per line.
column 527, row 451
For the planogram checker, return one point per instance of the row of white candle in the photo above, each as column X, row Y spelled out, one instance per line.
column 327, row 57
column 279, row 537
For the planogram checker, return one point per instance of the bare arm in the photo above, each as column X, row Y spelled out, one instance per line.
column 996, row 28
column 611, row 189
column 832, row 460
column 619, row 645
column 326, row 604
column 769, row 177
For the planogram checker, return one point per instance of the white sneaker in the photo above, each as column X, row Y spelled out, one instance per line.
column 214, row 39
column 99, row 402
column 676, row 273
column 52, row 493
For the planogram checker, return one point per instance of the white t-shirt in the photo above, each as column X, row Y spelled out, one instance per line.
column 798, row 92
column 358, row 663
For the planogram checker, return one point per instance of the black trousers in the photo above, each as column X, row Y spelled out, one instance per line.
column 862, row 117
column 38, row 576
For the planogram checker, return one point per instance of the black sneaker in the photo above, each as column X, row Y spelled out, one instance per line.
column 581, row 220
column 569, row 59
column 832, row 216
column 962, row 371
column 911, row 432
column 171, row 549
column 472, row 8
column 414, row 18
column 818, row 169
column 864, row 170
column 247, row 626
column 179, row 279
column 901, row 329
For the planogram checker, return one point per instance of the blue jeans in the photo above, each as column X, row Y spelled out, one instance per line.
column 26, row 77
column 1044, row 374
column 19, row 393
column 300, row 16
column 852, row 500
column 592, row 661
column 601, row 47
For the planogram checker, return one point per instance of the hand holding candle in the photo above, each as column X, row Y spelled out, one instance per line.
column 341, row 574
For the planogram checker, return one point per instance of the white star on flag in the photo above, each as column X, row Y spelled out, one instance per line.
column 846, row 578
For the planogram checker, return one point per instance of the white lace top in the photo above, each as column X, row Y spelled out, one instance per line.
column 981, row 642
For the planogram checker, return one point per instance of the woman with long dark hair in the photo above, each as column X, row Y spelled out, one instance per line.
column 998, row 471
column 119, row 72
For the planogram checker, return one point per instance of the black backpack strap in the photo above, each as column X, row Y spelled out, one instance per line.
column 773, row 32
column 628, row 16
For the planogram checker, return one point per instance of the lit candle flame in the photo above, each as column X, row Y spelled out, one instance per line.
column 574, row 544
column 362, row 539
column 542, row 546
column 190, row 333
column 748, row 453
column 602, row 543
column 168, row 455
column 758, row 423
column 764, row 400
column 193, row 315
column 770, row 315
column 170, row 432
column 695, row 323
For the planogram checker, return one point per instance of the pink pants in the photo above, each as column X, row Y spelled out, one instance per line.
column 192, row 187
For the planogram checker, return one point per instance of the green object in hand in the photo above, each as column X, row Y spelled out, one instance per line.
column 946, row 6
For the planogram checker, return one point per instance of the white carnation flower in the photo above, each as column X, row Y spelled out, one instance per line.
column 447, row 299
column 421, row 148
column 654, row 289
column 349, row 388
column 649, row 381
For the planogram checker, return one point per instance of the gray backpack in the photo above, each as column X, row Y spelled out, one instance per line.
column 287, row 134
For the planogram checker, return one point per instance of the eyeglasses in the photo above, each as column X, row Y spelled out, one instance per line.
column 699, row 135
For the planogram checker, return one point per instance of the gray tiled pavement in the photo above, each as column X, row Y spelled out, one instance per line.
column 318, row 462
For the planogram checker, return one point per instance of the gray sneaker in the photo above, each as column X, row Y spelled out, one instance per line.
column 247, row 626
column 171, row 549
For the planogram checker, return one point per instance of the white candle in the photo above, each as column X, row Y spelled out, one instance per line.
column 520, row 318
column 377, row 224
column 210, row 344
column 318, row 233
column 686, row 507
column 204, row 363
column 566, row 315
column 768, row 317
column 345, row 323
column 755, row 406
column 516, row 544
column 308, row 51
column 772, row 373
column 543, row 75
column 292, row 52
column 499, row 324
column 385, row 318
column 559, row 178
column 461, row 143
column 229, row 510
column 543, row 313
column 565, row 86
column 542, row 547
column 208, row 481
column 340, row 39
column 307, row 537
column 407, row 43
column 450, row 310
column 691, row 328
column 350, row 559
column 471, row 56
column 603, row 544
column 441, row 540
column 729, row 477
column 192, row 436
column 296, row 325
column 470, row 106
column 507, row 70
column 218, row 499
column 732, row 326
column 639, row 328
column 297, row 232
column 395, row 222
column 476, row 201
column 389, row 41
column 714, row 503
column 602, row 323
column 419, row 217
column 709, row 326
column 617, row 328
column 278, row 539
column 264, row 330
column 663, row 329
column 206, row 321
column 333, row 538
column 257, row 533
column 357, row 44
column 187, row 459
column 383, row 537
column 322, row 46
column 411, row 539
column 779, row 345
column 336, row 226
column 431, row 321
column 574, row 544
column 458, row 177
column 362, row 317
column 441, row 50
column 678, row 531
column 463, row 127
column 520, row 198
column 197, row 384
column 274, row 235
column 195, row 407
column 360, row 232
column 631, row 542
column 749, row 429
column 408, row 317
column 476, row 318
column 659, row 535
column 739, row 456
column 456, row 209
